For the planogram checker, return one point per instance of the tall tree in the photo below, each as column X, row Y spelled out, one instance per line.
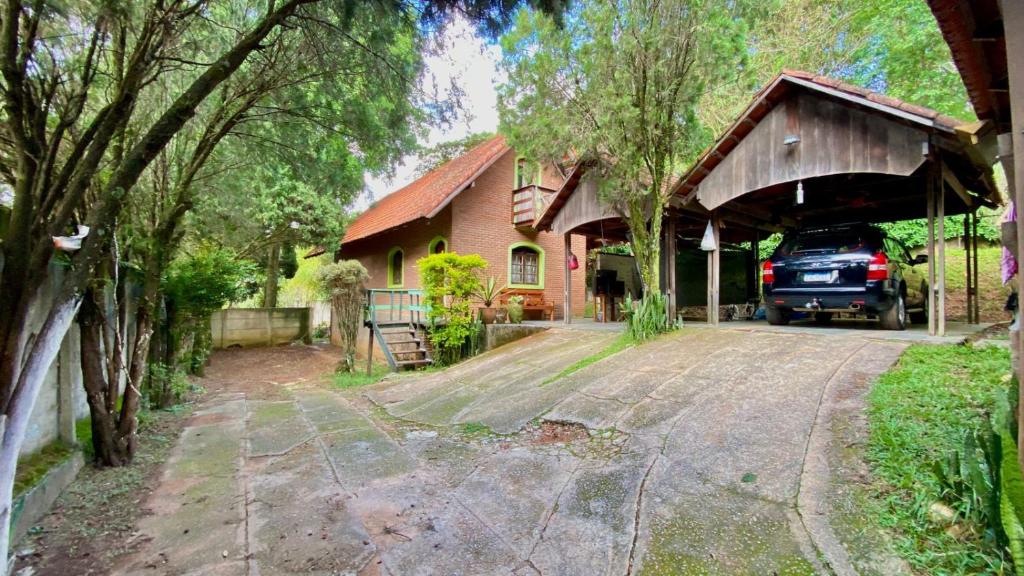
column 431, row 157
column 620, row 86
column 72, row 78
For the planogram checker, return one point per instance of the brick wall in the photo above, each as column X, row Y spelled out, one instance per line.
column 478, row 221
column 482, row 224
column 413, row 239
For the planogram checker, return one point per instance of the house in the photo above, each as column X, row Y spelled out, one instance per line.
column 484, row 202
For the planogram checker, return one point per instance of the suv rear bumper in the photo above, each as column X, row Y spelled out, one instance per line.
column 873, row 298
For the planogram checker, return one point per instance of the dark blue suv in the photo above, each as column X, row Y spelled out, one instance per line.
column 852, row 269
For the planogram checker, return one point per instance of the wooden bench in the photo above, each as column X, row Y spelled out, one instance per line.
column 533, row 299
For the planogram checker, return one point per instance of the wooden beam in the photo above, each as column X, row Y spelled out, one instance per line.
column 930, row 211
column 1013, row 24
column 970, row 276
column 957, row 187
column 974, row 255
column 714, row 273
column 940, row 256
column 670, row 266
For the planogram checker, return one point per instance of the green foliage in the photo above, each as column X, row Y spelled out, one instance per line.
column 202, row 282
column 359, row 378
column 1011, row 502
column 637, row 71
column 173, row 379
column 344, row 281
column 914, row 233
column 488, row 291
column 646, row 317
column 918, row 413
column 514, row 306
column 289, row 261
column 905, row 56
column 449, row 282
column 434, row 156
column 618, row 345
column 32, row 468
column 305, row 286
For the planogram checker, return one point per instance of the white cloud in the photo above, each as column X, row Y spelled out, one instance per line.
column 472, row 64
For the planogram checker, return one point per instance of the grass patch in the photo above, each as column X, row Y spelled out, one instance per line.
column 32, row 468
column 359, row 378
column 918, row 413
column 618, row 345
column 476, row 429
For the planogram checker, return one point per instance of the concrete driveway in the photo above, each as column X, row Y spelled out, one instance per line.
column 704, row 452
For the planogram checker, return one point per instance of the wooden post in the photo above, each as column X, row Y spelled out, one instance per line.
column 974, row 256
column 930, row 196
column 940, row 264
column 567, row 301
column 670, row 267
column 755, row 247
column 970, row 276
column 1013, row 24
column 714, row 267
column 369, row 354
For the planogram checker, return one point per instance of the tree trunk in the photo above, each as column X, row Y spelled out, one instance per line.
column 108, row 452
column 273, row 271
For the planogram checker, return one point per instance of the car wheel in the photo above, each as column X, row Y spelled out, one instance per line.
column 921, row 316
column 895, row 318
column 822, row 317
column 777, row 316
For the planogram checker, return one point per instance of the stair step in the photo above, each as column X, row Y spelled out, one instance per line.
column 413, row 362
column 405, row 341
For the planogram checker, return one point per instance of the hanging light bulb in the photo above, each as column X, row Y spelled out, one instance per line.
column 800, row 192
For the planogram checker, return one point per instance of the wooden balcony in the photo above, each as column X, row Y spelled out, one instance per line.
column 528, row 203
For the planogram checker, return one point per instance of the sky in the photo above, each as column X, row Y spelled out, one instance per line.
column 473, row 64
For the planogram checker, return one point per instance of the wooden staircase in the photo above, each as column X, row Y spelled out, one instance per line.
column 396, row 322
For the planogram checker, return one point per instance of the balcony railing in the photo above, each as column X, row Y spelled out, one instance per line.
column 528, row 203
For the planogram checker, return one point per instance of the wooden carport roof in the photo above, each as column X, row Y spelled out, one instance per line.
column 947, row 133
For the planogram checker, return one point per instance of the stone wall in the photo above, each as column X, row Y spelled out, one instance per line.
column 248, row 327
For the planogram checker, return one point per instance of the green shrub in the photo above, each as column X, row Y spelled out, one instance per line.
column 449, row 282
column 344, row 280
column 647, row 317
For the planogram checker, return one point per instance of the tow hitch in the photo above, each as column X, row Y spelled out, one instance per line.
column 814, row 304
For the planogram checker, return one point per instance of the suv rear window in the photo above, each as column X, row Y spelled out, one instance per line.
column 836, row 242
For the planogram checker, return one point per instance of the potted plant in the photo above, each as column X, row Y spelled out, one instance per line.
column 515, row 309
column 487, row 293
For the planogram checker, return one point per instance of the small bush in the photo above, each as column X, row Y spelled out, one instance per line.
column 344, row 280
column 647, row 317
column 449, row 281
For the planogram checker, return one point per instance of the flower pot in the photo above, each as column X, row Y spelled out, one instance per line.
column 488, row 315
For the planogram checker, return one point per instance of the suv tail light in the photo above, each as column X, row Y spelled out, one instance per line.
column 767, row 275
column 878, row 267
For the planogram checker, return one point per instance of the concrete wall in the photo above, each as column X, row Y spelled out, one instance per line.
column 61, row 401
column 247, row 327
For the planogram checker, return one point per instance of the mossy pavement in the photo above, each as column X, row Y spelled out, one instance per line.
column 695, row 461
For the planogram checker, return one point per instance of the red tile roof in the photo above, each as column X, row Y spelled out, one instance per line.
column 425, row 197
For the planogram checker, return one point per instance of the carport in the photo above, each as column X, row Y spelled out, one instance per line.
column 809, row 151
column 814, row 151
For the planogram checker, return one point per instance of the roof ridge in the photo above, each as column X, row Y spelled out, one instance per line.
column 428, row 193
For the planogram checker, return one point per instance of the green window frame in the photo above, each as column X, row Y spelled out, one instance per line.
column 516, row 266
column 394, row 282
column 517, row 183
column 434, row 242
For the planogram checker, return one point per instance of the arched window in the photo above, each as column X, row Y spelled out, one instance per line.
column 526, row 265
column 439, row 245
column 396, row 263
